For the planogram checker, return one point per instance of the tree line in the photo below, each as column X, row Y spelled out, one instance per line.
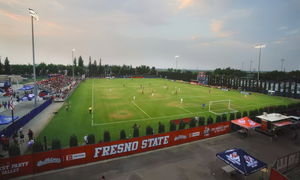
column 270, row 76
column 93, row 69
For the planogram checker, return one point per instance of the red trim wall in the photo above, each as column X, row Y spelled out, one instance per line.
column 50, row 160
column 275, row 175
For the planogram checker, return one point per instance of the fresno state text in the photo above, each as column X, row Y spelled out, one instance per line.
column 130, row 146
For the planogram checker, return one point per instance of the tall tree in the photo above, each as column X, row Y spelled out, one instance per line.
column 1, row 66
column 6, row 66
column 99, row 69
column 80, row 65
column 90, row 66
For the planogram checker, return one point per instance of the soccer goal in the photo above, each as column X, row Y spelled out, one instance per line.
column 220, row 107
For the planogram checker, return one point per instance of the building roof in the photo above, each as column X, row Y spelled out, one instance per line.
column 273, row 117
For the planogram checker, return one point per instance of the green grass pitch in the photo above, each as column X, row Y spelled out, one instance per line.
column 120, row 103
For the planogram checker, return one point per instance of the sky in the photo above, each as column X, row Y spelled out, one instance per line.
column 204, row 34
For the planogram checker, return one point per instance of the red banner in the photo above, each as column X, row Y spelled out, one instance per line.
column 45, row 161
column 16, row 166
column 51, row 160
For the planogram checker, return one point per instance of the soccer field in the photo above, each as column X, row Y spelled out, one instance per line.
column 120, row 103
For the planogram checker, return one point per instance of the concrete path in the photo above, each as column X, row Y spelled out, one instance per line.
column 39, row 122
column 191, row 161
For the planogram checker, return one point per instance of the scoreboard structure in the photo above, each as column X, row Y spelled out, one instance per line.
column 202, row 78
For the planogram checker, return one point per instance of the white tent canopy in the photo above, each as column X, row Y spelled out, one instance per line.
column 273, row 117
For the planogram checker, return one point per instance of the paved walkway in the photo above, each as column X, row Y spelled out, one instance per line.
column 191, row 161
column 39, row 122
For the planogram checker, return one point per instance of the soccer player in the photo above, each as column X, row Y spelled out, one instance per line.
column 181, row 100
column 133, row 97
column 203, row 106
column 90, row 110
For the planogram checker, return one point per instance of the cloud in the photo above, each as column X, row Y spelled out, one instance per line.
column 217, row 27
column 182, row 4
column 282, row 28
column 13, row 16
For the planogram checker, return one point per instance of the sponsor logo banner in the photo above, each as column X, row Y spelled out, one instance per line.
column 48, row 161
column 71, row 157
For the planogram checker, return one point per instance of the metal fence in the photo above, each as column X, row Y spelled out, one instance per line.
column 287, row 162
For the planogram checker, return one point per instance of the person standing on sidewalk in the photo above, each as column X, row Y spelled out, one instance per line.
column 30, row 134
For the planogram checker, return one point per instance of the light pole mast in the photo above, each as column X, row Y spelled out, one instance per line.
column 73, row 62
column 176, row 57
column 33, row 15
column 282, row 61
column 259, row 56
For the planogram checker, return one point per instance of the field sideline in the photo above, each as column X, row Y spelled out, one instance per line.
column 119, row 103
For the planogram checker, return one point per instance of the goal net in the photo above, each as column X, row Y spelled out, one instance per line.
column 221, row 107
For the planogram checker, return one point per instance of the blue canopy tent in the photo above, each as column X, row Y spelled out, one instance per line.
column 241, row 161
column 7, row 119
column 26, row 88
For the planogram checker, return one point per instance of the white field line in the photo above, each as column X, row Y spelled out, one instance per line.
column 144, row 119
column 186, row 110
column 176, row 115
column 140, row 109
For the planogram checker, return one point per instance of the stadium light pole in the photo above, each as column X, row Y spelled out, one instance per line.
column 176, row 57
column 33, row 15
column 73, row 62
column 259, row 56
column 282, row 61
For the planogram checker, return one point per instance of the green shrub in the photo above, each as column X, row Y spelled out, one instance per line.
column 161, row 128
column 136, row 132
column 56, row 144
column 209, row 120
column 122, row 134
column 37, row 147
column 218, row 119
column 224, row 117
column 192, row 123
column 238, row 115
column 260, row 111
column 232, row 116
column 73, row 141
column 201, row 121
column 245, row 113
column 181, row 125
column 14, row 150
column 91, row 139
column 172, row 126
column 149, row 130
column 106, row 136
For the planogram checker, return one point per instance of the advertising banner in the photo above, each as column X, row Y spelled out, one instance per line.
column 50, row 160
column 45, row 161
column 16, row 166
column 74, row 156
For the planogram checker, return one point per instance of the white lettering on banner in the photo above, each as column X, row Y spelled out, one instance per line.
column 112, row 149
column 130, row 146
column 179, row 137
column 13, row 168
column 105, row 150
column 146, row 143
column 48, row 161
column 194, row 134
column 75, row 156
column 116, row 149
column 220, row 128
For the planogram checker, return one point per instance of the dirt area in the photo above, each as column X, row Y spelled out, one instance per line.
column 122, row 114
